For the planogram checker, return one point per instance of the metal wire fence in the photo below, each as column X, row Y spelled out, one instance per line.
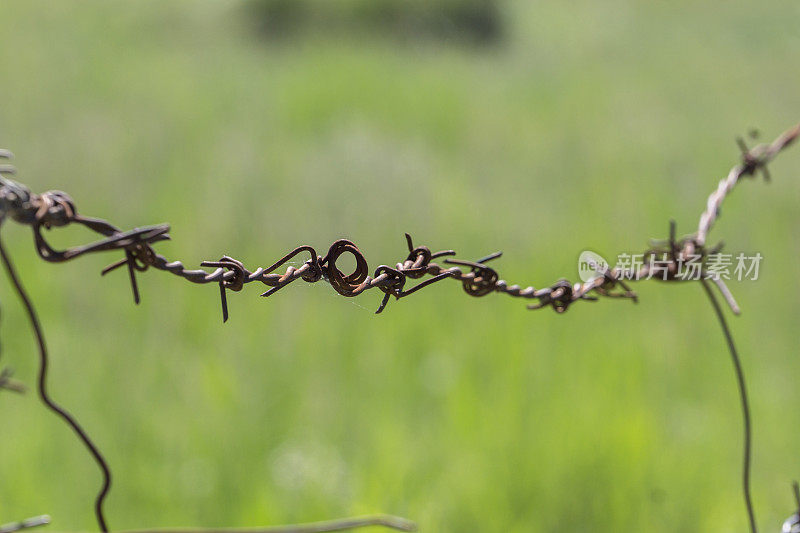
column 670, row 257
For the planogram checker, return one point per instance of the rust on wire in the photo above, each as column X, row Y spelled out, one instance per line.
column 57, row 209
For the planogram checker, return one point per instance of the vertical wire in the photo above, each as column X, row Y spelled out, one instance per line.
column 748, row 431
column 45, row 396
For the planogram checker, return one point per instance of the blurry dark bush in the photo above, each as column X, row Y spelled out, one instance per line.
column 476, row 21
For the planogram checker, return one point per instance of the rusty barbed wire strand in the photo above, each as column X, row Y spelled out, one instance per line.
column 59, row 203
column 56, row 208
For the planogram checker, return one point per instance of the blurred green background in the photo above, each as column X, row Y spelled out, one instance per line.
column 569, row 126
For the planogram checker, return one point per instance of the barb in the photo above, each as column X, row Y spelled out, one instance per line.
column 36, row 521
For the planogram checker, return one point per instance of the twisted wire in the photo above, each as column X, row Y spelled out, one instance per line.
column 56, row 209
column 753, row 161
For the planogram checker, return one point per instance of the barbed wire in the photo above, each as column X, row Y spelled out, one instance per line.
column 57, row 209
column 388, row 521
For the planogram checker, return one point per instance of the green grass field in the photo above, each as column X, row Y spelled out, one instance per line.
column 589, row 127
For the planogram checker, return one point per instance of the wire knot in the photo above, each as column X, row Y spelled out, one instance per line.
column 753, row 160
column 317, row 273
column 55, row 208
column 142, row 255
column 416, row 264
column 484, row 280
column 352, row 284
column 610, row 280
column 234, row 283
column 396, row 280
column 139, row 254
column 559, row 296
